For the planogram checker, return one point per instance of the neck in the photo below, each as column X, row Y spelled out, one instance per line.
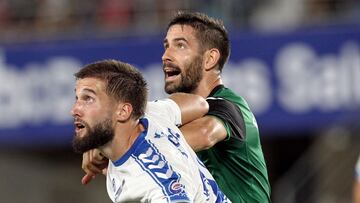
column 125, row 136
column 207, row 84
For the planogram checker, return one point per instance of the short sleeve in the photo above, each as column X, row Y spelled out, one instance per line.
column 230, row 114
column 165, row 109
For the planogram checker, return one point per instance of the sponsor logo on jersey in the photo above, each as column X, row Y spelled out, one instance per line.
column 176, row 187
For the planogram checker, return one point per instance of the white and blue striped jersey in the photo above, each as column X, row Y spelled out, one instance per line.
column 160, row 166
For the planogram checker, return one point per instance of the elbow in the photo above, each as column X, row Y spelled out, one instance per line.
column 203, row 105
column 199, row 108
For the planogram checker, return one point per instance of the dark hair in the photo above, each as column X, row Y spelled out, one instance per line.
column 122, row 81
column 209, row 31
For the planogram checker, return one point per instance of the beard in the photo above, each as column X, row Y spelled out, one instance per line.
column 189, row 78
column 97, row 136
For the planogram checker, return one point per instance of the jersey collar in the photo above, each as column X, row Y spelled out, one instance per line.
column 215, row 90
column 138, row 141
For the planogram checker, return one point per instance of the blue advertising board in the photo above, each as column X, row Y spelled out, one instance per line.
column 293, row 81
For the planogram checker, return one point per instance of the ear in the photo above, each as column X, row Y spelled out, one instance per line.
column 123, row 112
column 211, row 58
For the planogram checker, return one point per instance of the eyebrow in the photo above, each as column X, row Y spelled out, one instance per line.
column 176, row 40
column 87, row 90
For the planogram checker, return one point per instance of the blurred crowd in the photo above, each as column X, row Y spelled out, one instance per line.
column 23, row 19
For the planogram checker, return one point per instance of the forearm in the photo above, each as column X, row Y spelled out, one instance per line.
column 203, row 133
column 192, row 106
column 194, row 138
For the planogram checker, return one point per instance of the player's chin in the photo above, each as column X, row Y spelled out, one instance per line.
column 170, row 88
column 80, row 133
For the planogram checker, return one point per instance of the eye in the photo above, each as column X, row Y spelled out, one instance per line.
column 166, row 45
column 180, row 45
column 88, row 99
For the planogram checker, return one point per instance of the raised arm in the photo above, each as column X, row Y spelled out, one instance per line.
column 224, row 119
column 204, row 132
column 191, row 106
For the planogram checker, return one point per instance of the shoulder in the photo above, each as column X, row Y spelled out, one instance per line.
column 162, row 104
column 230, row 108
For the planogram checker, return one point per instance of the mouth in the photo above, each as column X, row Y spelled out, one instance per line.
column 78, row 127
column 171, row 72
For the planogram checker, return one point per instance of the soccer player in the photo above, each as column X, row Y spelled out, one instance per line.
column 227, row 138
column 356, row 192
column 150, row 161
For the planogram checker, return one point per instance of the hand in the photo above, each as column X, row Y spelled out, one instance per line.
column 93, row 163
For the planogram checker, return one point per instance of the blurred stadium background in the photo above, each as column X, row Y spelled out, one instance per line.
column 297, row 62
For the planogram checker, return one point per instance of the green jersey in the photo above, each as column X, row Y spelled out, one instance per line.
column 237, row 163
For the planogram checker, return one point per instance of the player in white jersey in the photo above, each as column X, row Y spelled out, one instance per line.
column 160, row 165
column 150, row 160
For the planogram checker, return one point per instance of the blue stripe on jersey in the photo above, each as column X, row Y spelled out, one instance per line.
column 220, row 196
column 155, row 164
column 137, row 142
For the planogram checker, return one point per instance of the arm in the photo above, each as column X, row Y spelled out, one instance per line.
column 204, row 133
column 191, row 106
column 356, row 192
column 223, row 120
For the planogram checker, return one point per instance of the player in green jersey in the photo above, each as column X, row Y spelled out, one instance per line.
column 227, row 138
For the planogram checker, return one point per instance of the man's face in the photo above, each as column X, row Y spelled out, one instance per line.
column 182, row 60
column 92, row 115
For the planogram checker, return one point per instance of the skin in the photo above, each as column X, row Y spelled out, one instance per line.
column 93, row 105
column 356, row 192
column 181, row 49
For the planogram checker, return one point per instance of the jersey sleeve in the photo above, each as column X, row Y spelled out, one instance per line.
column 230, row 114
column 165, row 109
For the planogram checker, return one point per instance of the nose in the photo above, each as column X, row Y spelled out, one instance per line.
column 75, row 110
column 166, row 55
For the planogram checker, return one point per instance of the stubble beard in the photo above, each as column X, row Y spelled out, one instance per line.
column 189, row 78
column 97, row 136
